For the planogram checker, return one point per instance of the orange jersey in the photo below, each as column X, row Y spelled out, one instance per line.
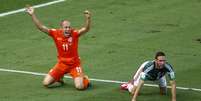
column 67, row 47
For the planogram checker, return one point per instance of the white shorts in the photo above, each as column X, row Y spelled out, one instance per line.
column 162, row 82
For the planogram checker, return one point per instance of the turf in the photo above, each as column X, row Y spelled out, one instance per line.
column 8, row 5
column 124, row 33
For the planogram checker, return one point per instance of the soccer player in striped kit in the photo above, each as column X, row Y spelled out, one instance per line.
column 152, row 71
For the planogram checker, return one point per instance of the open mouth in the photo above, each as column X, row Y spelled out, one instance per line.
column 66, row 33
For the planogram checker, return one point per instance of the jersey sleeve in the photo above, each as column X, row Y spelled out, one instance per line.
column 75, row 33
column 52, row 32
column 143, row 75
column 170, row 71
column 171, row 75
column 140, row 69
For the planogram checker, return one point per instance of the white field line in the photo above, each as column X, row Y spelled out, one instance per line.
column 43, row 74
column 92, row 79
column 36, row 6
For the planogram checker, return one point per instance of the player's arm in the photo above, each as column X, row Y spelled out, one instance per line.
column 39, row 25
column 137, row 74
column 173, row 89
column 171, row 75
column 87, row 24
column 137, row 90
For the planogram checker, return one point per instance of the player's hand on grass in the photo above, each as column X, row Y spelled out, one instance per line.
column 87, row 14
column 173, row 99
column 29, row 10
column 133, row 99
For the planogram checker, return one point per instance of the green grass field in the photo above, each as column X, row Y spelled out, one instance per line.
column 124, row 33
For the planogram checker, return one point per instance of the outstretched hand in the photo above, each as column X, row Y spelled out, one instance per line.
column 87, row 14
column 29, row 10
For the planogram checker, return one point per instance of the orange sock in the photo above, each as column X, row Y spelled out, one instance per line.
column 86, row 82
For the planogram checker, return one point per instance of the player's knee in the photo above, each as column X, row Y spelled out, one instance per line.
column 45, row 83
column 48, row 80
column 79, row 86
column 79, row 83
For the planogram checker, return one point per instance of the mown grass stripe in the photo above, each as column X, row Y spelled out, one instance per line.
column 93, row 79
column 36, row 6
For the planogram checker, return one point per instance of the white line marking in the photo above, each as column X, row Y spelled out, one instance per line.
column 36, row 6
column 43, row 74
column 98, row 80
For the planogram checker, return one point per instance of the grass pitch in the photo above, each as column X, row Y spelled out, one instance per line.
column 123, row 35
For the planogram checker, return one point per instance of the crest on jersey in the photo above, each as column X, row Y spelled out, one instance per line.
column 70, row 39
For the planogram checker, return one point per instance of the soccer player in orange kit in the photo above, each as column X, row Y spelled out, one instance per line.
column 66, row 41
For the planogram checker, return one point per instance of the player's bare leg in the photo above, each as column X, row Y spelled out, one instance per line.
column 133, row 90
column 163, row 90
column 81, row 82
column 131, row 85
column 163, row 85
column 49, row 81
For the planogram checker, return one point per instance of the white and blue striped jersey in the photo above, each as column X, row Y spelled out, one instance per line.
column 150, row 72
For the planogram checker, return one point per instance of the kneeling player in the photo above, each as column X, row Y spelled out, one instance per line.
column 66, row 41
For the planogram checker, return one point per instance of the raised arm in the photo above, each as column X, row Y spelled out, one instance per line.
column 39, row 25
column 173, row 89
column 87, row 25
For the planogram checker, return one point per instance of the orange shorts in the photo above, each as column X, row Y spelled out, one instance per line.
column 60, row 69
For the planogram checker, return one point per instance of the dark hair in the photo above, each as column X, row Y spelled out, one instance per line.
column 159, row 53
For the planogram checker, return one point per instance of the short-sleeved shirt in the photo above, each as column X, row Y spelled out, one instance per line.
column 67, row 47
column 150, row 72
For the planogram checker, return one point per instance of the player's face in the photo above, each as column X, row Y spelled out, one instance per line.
column 160, row 62
column 66, row 27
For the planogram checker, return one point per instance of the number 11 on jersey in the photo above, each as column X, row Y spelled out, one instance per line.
column 65, row 47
